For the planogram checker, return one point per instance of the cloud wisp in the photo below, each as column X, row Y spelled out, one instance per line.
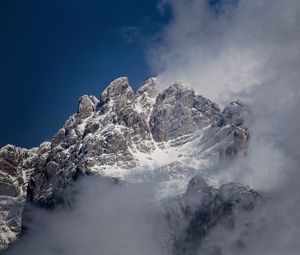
column 224, row 50
column 248, row 50
column 106, row 218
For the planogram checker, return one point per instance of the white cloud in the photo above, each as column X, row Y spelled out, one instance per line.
column 250, row 50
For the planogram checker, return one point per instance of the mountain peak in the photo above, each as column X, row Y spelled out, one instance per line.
column 127, row 136
column 118, row 87
column 150, row 87
column 87, row 104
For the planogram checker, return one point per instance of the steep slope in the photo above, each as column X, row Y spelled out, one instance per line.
column 16, row 167
column 202, row 211
column 128, row 136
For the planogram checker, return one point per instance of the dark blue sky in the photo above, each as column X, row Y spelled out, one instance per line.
column 54, row 51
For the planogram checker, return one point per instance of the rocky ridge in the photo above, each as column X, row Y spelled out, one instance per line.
column 203, row 211
column 125, row 135
column 16, row 165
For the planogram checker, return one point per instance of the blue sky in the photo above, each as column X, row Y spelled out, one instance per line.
column 54, row 51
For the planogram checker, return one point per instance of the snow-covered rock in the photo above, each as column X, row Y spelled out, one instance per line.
column 16, row 167
column 87, row 104
column 123, row 135
column 202, row 209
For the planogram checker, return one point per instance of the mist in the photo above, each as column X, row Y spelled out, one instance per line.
column 228, row 47
column 225, row 50
column 248, row 50
column 106, row 218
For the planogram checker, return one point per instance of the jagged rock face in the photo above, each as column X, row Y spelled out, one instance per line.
column 146, row 96
column 236, row 113
column 87, row 105
column 172, row 114
column 178, row 111
column 124, row 134
column 114, row 132
column 193, row 216
column 16, row 167
column 103, row 133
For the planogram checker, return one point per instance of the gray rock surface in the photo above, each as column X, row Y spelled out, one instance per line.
column 194, row 216
column 16, row 167
column 87, row 104
column 178, row 111
column 117, row 134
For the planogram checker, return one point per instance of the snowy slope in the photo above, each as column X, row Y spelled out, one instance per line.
column 130, row 136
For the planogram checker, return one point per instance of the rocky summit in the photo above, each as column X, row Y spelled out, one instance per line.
column 127, row 135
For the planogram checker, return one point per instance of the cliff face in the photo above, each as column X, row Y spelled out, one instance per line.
column 195, row 217
column 125, row 135
column 16, row 167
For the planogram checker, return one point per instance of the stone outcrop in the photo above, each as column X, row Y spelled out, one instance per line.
column 16, row 167
column 87, row 104
column 195, row 215
column 117, row 134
